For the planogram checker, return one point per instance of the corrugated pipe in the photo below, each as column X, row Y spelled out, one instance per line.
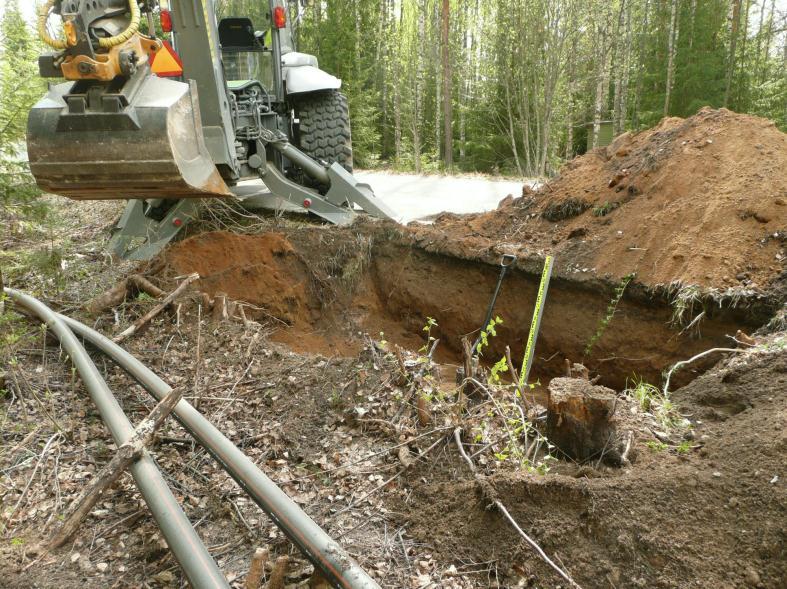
column 328, row 556
column 197, row 564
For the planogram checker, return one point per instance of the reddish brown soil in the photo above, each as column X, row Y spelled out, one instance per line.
column 699, row 201
column 262, row 270
column 323, row 292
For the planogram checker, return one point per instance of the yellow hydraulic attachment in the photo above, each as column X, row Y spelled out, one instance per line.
column 120, row 54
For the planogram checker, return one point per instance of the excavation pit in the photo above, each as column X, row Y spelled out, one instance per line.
column 323, row 289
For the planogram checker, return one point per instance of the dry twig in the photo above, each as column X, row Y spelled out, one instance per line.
column 147, row 317
column 511, row 520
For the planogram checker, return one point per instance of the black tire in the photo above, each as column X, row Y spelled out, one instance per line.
column 324, row 129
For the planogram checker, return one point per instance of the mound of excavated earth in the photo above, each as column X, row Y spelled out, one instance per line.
column 698, row 201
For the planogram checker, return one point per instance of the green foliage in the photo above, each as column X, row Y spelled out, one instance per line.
column 489, row 331
column 652, row 400
column 525, row 71
column 20, row 88
column 431, row 323
column 605, row 209
column 500, row 367
column 611, row 308
column 656, row 446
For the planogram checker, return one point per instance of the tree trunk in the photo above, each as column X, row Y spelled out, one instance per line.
column 570, row 106
column 448, row 134
column 734, row 25
column 742, row 102
column 641, row 68
column 624, row 98
column 671, row 51
column 769, row 39
column 602, row 82
column 619, row 70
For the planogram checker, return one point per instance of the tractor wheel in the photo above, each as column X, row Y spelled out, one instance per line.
column 324, row 129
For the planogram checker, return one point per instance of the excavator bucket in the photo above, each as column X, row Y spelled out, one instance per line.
column 139, row 140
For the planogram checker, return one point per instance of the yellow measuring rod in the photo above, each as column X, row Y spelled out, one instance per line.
column 530, row 348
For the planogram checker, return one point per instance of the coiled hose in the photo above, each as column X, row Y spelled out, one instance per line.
column 104, row 42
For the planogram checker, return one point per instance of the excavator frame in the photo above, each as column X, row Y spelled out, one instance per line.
column 116, row 130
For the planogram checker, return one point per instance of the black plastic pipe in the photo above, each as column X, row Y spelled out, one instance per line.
column 327, row 555
column 195, row 560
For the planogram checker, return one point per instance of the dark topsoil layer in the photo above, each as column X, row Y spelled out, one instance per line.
column 713, row 517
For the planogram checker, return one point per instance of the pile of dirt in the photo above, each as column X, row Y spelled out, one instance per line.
column 699, row 201
column 264, row 271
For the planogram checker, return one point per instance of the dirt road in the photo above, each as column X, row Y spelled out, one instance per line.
column 417, row 196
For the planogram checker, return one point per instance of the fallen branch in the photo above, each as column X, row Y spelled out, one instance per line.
column 147, row 317
column 511, row 520
column 118, row 293
column 665, row 392
column 106, row 477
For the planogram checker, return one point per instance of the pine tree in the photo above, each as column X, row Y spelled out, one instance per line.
column 20, row 88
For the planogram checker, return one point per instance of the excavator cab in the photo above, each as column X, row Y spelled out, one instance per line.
column 247, row 53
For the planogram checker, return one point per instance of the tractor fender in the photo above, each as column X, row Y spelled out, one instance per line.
column 302, row 74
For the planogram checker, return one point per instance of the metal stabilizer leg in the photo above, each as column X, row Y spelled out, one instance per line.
column 345, row 191
column 345, row 188
column 138, row 236
column 296, row 194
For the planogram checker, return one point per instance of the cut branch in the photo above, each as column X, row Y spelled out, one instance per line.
column 106, row 477
column 118, row 293
column 147, row 317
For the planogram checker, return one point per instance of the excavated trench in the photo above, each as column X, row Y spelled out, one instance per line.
column 325, row 288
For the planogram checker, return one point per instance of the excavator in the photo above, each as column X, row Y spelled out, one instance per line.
column 196, row 110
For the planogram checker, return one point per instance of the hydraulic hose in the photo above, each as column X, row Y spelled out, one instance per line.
column 43, row 17
column 104, row 42
column 131, row 30
column 333, row 561
column 195, row 560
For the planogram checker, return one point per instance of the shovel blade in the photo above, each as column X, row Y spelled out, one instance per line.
column 152, row 148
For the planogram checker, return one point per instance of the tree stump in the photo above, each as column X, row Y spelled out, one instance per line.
column 580, row 420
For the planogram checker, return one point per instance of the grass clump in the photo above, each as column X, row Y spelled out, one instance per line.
column 605, row 209
column 565, row 209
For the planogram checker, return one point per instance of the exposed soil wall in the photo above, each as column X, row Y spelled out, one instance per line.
column 397, row 283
